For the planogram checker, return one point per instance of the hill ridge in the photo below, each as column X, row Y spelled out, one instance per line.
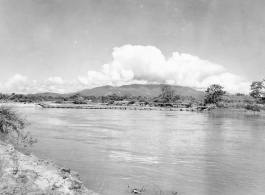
column 134, row 89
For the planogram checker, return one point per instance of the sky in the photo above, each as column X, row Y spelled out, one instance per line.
column 65, row 45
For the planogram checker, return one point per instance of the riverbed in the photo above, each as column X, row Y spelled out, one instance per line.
column 208, row 153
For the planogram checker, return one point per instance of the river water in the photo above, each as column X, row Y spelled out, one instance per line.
column 218, row 153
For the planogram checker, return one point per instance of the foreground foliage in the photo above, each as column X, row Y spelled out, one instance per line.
column 12, row 125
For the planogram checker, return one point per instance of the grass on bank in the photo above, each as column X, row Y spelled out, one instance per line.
column 251, row 107
column 240, row 102
column 12, row 125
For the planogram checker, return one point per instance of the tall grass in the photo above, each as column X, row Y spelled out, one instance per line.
column 255, row 107
column 12, row 125
column 236, row 101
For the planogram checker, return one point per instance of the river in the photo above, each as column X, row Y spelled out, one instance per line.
column 191, row 153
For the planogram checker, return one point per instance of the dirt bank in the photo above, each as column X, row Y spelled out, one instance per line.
column 26, row 174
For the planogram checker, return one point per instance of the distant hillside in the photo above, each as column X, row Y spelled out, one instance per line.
column 134, row 89
column 49, row 94
column 139, row 89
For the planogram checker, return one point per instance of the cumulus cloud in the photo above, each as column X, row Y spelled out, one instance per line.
column 55, row 81
column 21, row 84
column 142, row 65
column 146, row 64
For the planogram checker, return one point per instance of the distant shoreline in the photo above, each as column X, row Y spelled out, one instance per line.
column 113, row 107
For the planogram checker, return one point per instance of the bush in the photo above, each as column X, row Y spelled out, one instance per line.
column 254, row 107
column 12, row 126
column 227, row 98
column 221, row 105
column 80, row 102
column 231, row 105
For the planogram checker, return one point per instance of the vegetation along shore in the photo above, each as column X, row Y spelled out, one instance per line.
column 148, row 97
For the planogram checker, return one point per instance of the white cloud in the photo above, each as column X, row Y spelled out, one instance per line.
column 21, row 84
column 16, row 83
column 55, row 80
column 231, row 83
column 138, row 64
column 147, row 64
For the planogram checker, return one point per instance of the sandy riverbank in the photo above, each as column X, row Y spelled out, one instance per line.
column 20, row 105
column 26, row 174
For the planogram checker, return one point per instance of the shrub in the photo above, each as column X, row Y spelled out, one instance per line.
column 254, row 107
column 12, row 126
column 221, row 105
column 80, row 102
column 227, row 98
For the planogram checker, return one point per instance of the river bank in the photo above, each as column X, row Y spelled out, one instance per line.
column 98, row 106
column 190, row 109
column 27, row 174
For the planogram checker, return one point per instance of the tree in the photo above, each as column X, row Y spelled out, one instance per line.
column 127, row 96
column 256, row 89
column 75, row 96
column 79, row 100
column 214, row 94
column 147, row 97
column 239, row 94
column 167, row 93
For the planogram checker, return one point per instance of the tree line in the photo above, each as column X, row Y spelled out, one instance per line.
column 167, row 96
column 215, row 94
column 255, row 100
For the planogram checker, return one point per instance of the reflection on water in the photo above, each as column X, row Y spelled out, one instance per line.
column 127, row 157
column 191, row 153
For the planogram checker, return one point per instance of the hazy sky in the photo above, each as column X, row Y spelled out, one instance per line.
column 66, row 45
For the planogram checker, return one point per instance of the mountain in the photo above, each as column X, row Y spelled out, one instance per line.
column 134, row 89
column 139, row 89
column 49, row 94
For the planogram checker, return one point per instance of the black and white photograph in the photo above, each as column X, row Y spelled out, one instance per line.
column 125, row 97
